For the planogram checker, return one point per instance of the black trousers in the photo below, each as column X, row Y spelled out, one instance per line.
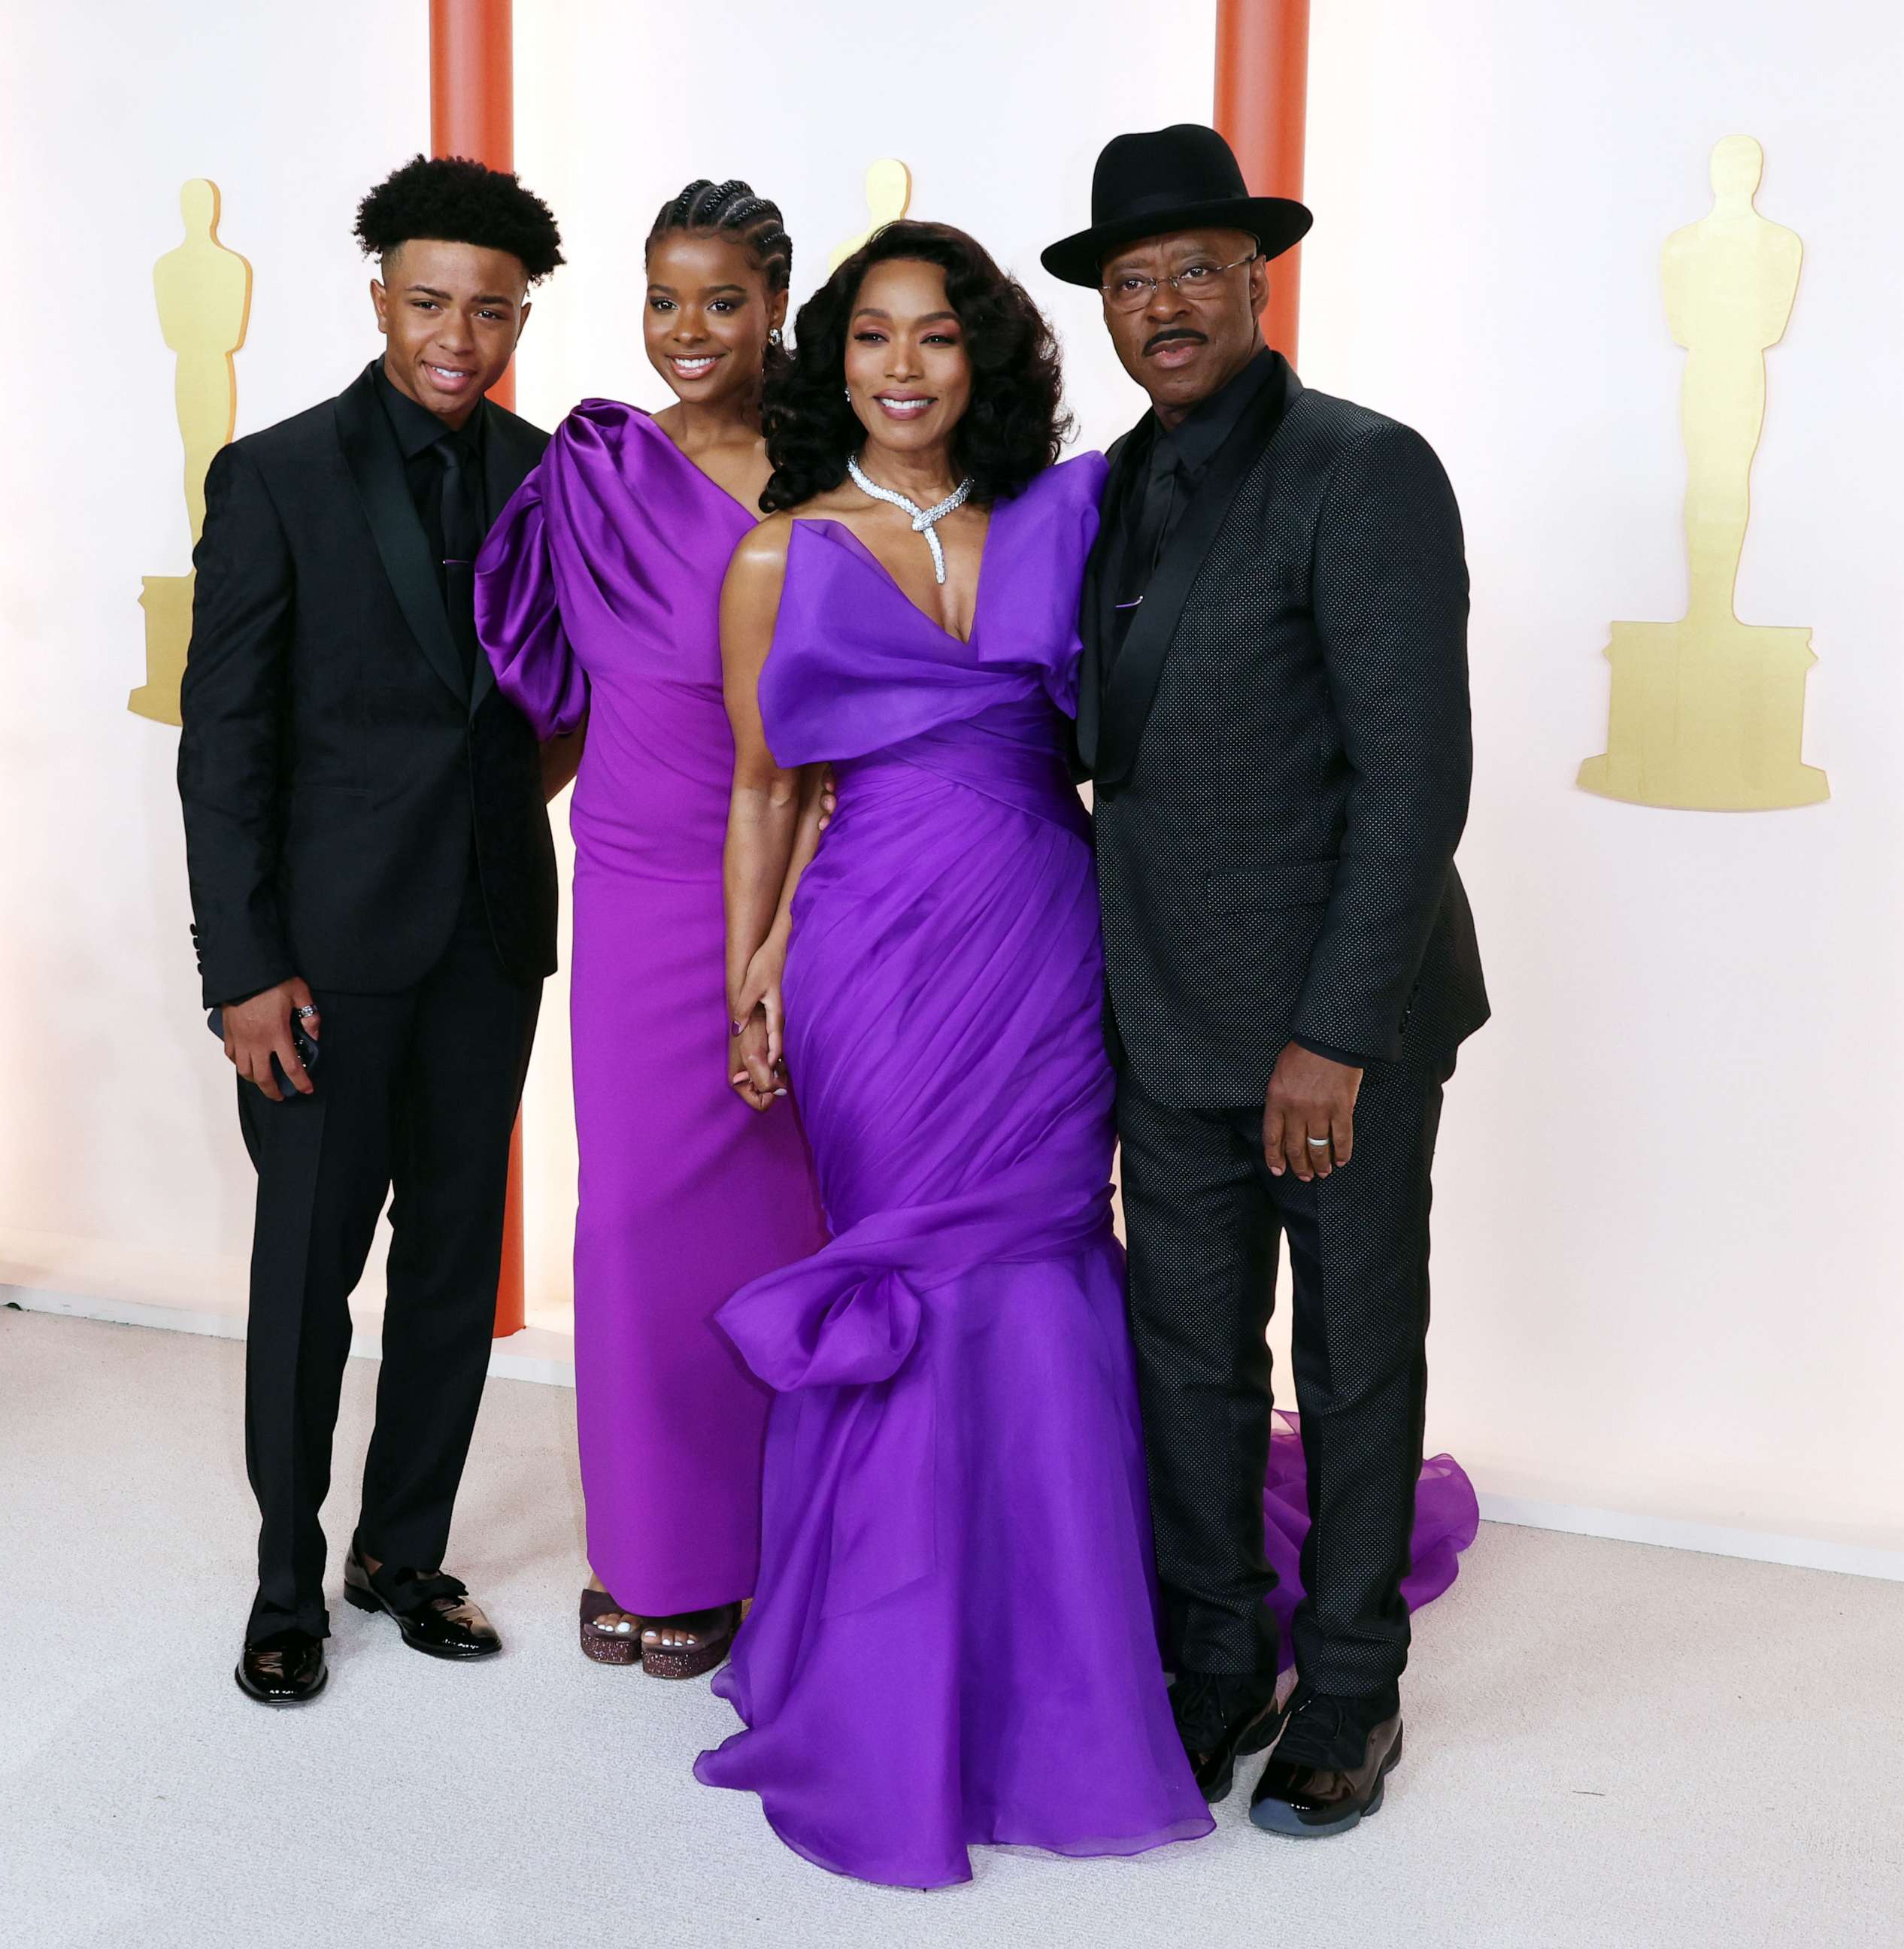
column 417, row 1093
column 1202, row 1216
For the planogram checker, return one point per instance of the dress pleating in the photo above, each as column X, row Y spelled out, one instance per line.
column 954, row 1640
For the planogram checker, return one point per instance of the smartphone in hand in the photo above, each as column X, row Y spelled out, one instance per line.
column 307, row 1049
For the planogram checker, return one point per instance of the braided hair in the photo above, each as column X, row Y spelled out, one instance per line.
column 731, row 211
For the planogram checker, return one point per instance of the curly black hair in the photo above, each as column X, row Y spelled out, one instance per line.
column 460, row 202
column 1015, row 423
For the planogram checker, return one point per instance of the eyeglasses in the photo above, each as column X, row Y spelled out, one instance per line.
column 1133, row 291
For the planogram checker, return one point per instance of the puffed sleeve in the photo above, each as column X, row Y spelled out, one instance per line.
column 519, row 616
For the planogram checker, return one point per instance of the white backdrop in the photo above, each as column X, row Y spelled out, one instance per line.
column 121, row 1173
column 1667, row 1281
column 1669, row 1276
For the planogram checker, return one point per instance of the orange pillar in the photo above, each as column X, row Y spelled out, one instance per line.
column 472, row 112
column 1262, row 97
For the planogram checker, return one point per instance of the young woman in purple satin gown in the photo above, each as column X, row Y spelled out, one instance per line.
column 954, row 1640
column 597, row 600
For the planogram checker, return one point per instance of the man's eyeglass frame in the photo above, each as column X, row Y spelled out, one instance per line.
column 1147, row 286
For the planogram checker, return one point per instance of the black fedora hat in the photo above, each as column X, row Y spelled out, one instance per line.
column 1181, row 178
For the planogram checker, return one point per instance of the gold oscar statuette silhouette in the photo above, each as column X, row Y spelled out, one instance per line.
column 1708, row 713
column 204, row 298
column 889, row 196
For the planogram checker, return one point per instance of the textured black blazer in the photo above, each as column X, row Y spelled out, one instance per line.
column 1281, row 758
column 336, row 769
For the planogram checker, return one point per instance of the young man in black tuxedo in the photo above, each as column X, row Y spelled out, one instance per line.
column 1273, row 710
column 371, row 868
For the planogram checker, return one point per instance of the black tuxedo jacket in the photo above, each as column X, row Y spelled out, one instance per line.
column 1281, row 757
column 337, row 770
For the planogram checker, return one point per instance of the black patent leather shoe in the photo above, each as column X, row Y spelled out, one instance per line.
column 284, row 1667
column 436, row 1614
column 1220, row 1719
column 1308, row 1789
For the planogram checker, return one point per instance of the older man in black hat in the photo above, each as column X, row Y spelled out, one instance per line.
column 1273, row 710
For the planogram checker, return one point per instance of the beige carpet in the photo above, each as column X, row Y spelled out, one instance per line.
column 1609, row 1746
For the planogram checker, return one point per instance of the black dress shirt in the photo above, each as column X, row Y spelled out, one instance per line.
column 454, row 517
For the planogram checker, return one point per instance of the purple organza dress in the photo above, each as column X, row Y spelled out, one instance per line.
column 954, row 1638
column 599, row 593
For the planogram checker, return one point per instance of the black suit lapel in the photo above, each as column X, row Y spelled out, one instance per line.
column 1126, row 463
column 1133, row 684
column 511, row 448
column 376, row 464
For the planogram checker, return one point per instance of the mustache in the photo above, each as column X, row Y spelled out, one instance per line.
column 1169, row 334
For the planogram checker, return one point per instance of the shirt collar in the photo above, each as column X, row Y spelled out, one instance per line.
column 1194, row 440
column 416, row 427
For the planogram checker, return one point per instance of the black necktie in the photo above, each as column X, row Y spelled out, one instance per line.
column 1145, row 539
column 1154, row 513
column 463, row 527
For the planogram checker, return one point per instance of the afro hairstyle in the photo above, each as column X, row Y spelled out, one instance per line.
column 460, row 202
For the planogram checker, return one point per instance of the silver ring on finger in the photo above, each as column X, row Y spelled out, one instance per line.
column 307, row 1011
column 1319, row 1143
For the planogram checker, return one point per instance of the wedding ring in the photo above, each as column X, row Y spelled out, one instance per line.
column 309, row 1009
column 1318, row 1143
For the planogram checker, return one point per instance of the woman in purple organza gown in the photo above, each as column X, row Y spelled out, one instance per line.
column 954, row 1640
column 597, row 599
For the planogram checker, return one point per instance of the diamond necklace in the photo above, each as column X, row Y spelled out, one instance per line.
column 924, row 520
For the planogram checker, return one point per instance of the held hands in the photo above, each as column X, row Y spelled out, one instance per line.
column 257, row 1029
column 756, row 1056
column 1309, row 1114
column 756, row 1065
column 756, row 1053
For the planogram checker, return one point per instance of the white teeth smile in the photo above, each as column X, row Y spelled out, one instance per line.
column 693, row 369
column 904, row 409
column 449, row 372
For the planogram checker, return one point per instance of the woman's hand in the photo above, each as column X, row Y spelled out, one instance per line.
column 747, row 1060
column 771, row 807
column 756, row 1048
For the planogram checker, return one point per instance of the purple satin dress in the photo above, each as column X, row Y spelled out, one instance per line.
column 954, row 1639
column 599, row 593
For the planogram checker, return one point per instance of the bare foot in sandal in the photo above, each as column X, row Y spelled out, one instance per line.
column 610, row 1635
column 689, row 1643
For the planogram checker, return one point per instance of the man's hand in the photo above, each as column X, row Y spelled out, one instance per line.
column 1309, row 1114
column 257, row 1029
